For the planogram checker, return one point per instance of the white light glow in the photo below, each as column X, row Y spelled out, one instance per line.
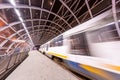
column 12, row 2
column 21, row 41
column 20, row 19
column 27, row 33
column 17, row 12
column 51, row 3
column 23, row 25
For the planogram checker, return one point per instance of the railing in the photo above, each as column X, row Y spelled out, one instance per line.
column 9, row 61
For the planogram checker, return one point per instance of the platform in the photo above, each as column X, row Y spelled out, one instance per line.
column 38, row 67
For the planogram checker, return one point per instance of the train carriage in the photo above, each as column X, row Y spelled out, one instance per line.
column 91, row 48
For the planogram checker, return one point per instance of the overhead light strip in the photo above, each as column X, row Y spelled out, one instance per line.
column 20, row 18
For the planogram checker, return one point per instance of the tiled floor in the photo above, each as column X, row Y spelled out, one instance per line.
column 39, row 67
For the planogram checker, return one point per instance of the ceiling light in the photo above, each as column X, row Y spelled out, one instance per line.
column 19, row 16
column 17, row 12
column 22, row 41
column 51, row 3
column 12, row 2
column 20, row 19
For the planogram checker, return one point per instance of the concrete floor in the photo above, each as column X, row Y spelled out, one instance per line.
column 39, row 67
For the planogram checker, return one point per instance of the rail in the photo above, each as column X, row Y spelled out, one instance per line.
column 10, row 61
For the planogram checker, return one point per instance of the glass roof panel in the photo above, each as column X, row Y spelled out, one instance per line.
column 25, row 13
column 1, row 39
column 48, row 4
column 15, row 37
column 44, row 15
column 56, row 6
column 51, row 17
column 42, row 22
column 2, row 22
column 36, row 28
column 35, row 23
column 36, row 3
column 35, row 14
column 23, row 32
column 9, row 15
column 4, row 1
column 26, row 2
column 18, row 27
column 7, row 32
column 30, row 29
column 101, row 7
column 28, row 23
column 7, row 43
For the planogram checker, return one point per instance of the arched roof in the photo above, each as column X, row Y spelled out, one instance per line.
column 29, row 19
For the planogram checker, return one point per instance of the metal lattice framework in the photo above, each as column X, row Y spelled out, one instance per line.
column 46, row 19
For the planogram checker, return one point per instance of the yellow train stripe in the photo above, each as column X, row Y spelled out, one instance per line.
column 109, row 66
column 58, row 55
column 97, row 71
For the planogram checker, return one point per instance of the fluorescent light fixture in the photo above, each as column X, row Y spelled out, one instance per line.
column 21, row 19
column 23, row 24
column 19, row 16
column 12, row 2
column 27, row 33
column 17, row 12
column 51, row 3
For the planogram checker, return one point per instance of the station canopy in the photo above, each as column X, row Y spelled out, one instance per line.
column 38, row 21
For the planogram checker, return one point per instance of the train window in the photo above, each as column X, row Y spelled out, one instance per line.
column 57, row 42
column 108, row 33
column 79, row 44
column 51, row 44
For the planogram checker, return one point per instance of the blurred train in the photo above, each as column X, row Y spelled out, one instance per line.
column 91, row 48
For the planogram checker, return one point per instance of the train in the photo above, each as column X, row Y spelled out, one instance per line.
column 91, row 48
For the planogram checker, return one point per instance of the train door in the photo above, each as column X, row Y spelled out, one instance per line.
column 79, row 44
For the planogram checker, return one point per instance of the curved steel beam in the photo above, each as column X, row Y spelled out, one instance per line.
column 50, row 26
column 46, row 36
column 2, row 6
column 15, row 42
column 45, row 30
column 47, row 21
column 9, row 38
column 18, row 22
column 70, row 11
column 18, row 33
column 49, row 33
column 86, row 1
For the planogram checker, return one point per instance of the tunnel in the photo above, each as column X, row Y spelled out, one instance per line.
column 27, row 25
